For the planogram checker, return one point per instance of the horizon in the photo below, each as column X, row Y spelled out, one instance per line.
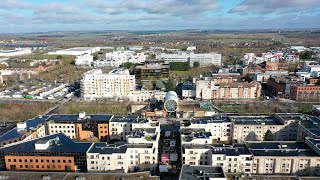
column 32, row 16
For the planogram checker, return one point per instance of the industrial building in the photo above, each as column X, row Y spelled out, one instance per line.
column 15, row 52
column 76, row 51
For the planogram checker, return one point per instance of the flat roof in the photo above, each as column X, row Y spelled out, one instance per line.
column 229, row 150
column 200, row 172
column 31, row 124
column 283, row 148
column 211, row 119
column 63, row 145
column 290, row 116
column 104, row 148
column 312, row 124
column 255, row 120
column 75, row 117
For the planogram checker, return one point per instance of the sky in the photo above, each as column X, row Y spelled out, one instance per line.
column 21, row 16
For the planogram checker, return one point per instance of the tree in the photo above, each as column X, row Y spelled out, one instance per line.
column 268, row 136
column 196, row 64
column 171, row 85
column 128, row 65
column 59, row 57
column 305, row 55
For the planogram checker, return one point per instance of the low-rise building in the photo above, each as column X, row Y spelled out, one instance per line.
column 281, row 86
column 84, row 60
column 76, row 51
column 50, row 153
column 305, row 93
column 206, row 172
column 103, row 157
column 219, row 126
column 80, row 126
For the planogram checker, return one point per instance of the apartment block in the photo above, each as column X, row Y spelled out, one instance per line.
column 126, row 157
column 284, row 158
column 232, row 158
column 281, row 86
column 80, row 126
column 117, row 83
column 305, row 93
column 253, row 128
column 219, row 126
column 206, row 172
column 152, row 70
column 208, row 89
column 121, row 126
column 50, row 153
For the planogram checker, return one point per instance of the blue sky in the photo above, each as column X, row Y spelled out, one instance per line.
column 67, row 15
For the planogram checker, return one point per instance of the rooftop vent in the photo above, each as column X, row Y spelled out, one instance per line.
column 21, row 126
column 82, row 115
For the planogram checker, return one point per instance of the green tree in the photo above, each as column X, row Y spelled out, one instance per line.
column 196, row 64
column 179, row 66
column 305, row 55
column 59, row 57
column 128, row 65
column 268, row 136
column 171, row 85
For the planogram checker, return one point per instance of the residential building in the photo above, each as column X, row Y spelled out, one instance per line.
column 80, row 126
column 84, row 60
column 188, row 90
column 263, row 77
column 148, row 96
column 253, row 128
column 151, row 71
column 117, row 58
column 284, row 158
column 206, row 172
column 218, row 125
column 209, row 88
column 231, row 158
column 97, row 85
column 121, row 126
column 50, row 153
column 126, row 157
column 281, row 86
column 305, row 93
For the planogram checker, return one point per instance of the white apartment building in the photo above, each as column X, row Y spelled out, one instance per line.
column 219, row 126
column 232, row 158
column 84, row 60
column 96, row 85
column 195, row 136
column 264, row 77
column 117, row 58
column 102, row 157
column 203, row 59
column 205, row 88
column 121, row 126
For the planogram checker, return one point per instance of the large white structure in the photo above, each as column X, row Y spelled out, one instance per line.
column 116, row 58
column 15, row 52
column 84, row 60
column 96, row 85
column 171, row 101
column 203, row 59
column 77, row 51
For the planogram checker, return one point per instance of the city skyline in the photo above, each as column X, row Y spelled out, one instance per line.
column 58, row 15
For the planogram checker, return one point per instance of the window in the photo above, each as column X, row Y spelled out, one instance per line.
column 37, row 166
column 42, row 160
column 64, row 161
column 53, row 161
column 69, row 161
column 9, row 160
column 20, row 160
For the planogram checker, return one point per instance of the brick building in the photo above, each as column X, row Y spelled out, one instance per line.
column 51, row 153
column 305, row 93
column 281, row 86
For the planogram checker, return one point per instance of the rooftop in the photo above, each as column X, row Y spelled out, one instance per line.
column 211, row 119
column 75, row 117
column 280, row 149
column 255, row 120
column 290, row 116
column 229, row 150
column 62, row 144
column 31, row 124
column 104, row 148
column 200, row 172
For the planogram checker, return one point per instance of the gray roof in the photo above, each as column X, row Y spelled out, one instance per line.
column 258, row 120
column 200, row 172
column 103, row 148
column 31, row 124
column 64, row 145
column 75, row 117
column 282, row 148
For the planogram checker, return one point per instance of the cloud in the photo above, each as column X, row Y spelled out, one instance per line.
column 14, row 4
column 274, row 6
column 172, row 7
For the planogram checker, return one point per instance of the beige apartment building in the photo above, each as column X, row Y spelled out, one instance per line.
column 117, row 83
column 209, row 88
